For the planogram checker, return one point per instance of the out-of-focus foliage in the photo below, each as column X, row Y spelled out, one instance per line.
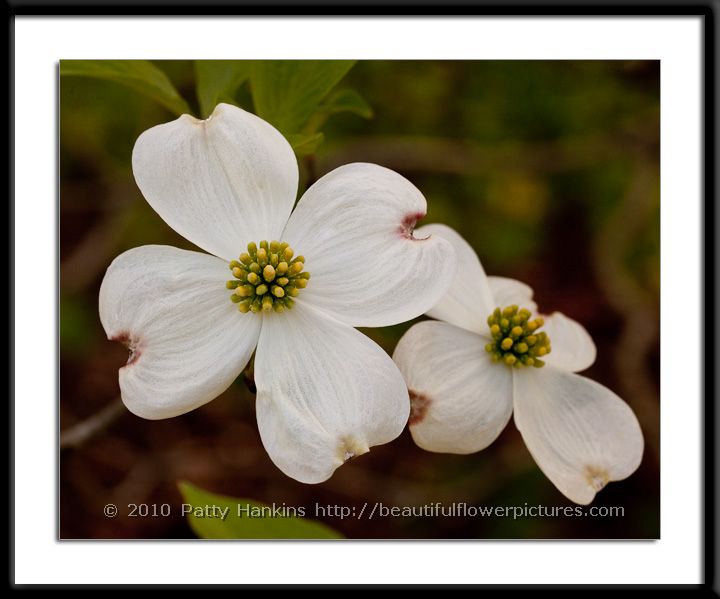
column 345, row 100
column 286, row 92
column 550, row 169
column 140, row 75
column 218, row 81
column 293, row 95
column 247, row 519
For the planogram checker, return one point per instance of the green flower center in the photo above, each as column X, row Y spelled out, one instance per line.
column 516, row 341
column 267, row 277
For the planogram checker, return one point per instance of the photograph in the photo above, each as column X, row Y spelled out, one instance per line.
column 358, row 299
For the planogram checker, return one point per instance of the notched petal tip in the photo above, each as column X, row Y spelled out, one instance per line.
column 349, row 448
column 133, row 345
column 419, row 404
column 408, row 224
column 597, row 477
column 217, row 111
column 192, row 120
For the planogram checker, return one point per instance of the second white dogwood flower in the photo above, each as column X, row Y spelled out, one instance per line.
column 487, row 356
column 325, row 392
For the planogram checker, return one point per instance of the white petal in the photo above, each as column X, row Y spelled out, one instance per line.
column 325, row 393
column 468, row 302
column 220, row 183
column 460, row 399
column 580, row 433
column 572, row 347
column 507, row 292
column 188, row 341
column 354, row 227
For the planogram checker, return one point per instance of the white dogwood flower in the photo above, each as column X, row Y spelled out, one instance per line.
column 325, row 392
column 487, row 357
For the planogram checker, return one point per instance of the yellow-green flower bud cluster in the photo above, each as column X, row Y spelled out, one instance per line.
column 267, row 277
column 516, row 340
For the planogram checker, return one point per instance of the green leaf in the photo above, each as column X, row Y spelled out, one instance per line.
column 342, row 100
column 218, row 80
column 287, row 92
column 245, row 526
column 347, row 100
column 139, row 75
column 305, row 143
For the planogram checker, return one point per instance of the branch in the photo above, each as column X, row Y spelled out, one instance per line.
column 77, row 435
column 631, row 298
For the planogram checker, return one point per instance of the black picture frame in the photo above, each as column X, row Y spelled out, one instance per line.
column 707, row 10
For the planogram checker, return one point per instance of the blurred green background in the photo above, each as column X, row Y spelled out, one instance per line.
column 550, row 169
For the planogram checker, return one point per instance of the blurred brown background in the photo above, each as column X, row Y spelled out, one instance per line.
column 549, row 169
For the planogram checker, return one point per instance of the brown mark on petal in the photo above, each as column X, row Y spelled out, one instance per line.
column 350, row 448
column 597, row 477
column 133, row 345
column 407, row 226
column 419, row 405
